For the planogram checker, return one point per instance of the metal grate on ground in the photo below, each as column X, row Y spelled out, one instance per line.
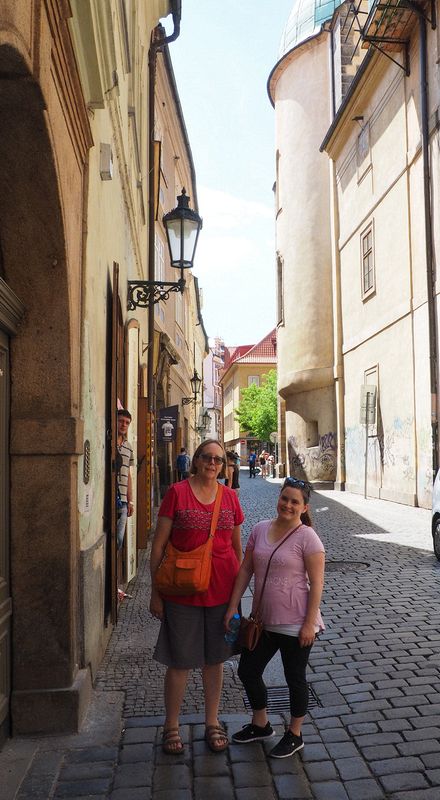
column 278, row 699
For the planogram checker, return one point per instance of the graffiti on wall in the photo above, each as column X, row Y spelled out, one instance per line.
column 314, row 463
column 391, row 457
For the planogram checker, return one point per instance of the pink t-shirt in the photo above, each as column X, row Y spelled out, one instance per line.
column 191, row 526
column 286, row 593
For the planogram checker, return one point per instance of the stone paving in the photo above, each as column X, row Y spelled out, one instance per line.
column 375, row 734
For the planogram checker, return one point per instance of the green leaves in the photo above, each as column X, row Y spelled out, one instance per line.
column 257, row 412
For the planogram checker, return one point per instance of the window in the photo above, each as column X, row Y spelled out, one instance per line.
column 277, row 184
column 179, row 310
column 228, row 393
column 229, row 422
column 159, row 258
column 312, row 433
column 253, row 379
column 280, row 290
column 125, row 9
column 367, row 261
column 363, row 153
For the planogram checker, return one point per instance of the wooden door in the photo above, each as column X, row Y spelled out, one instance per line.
column 5, row 590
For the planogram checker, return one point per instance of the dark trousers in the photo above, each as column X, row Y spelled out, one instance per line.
column 294, row 658
column 252, row 472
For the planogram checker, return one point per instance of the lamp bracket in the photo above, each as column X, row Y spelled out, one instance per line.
column 143, row 294
column 187, row 400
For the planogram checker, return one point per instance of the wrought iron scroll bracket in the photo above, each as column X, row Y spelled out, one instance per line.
column 143, row 294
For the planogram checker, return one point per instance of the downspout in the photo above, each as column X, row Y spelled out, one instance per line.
column 429, row 253
column 338, row 361
column 158, row 40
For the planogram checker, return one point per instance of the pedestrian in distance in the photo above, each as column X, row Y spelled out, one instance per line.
column 124, row 461
column 263, row 462
column 270, row 465
column 183, row 463
column 288, row 605
column 232, row 472
column 191, row 635
column 252, row 461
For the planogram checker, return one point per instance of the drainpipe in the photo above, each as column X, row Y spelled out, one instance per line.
column 158, row 40
column 338, row 361
column 429, row 254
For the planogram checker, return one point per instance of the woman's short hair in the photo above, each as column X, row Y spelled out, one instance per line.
column 199, row 451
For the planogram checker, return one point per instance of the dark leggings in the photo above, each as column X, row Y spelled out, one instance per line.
column 294, row 658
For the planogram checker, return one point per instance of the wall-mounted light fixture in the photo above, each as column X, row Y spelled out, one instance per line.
column 196, row 383
column 182, row 226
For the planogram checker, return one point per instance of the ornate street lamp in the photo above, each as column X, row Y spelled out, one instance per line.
column 182, row 226
column 206, row 421
column 196, row 383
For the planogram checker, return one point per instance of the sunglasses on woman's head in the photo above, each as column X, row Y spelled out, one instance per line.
column 207, row 458
column 297, row 483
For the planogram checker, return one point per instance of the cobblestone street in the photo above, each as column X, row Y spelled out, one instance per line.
column 372, row 733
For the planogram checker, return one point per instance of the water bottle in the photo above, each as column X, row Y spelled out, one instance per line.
column 231, row 634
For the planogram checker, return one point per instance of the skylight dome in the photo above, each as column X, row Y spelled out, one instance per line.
column 306, row 19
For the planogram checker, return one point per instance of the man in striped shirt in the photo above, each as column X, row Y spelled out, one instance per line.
column 125, row 461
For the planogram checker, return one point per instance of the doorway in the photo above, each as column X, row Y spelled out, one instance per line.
column 5, row 591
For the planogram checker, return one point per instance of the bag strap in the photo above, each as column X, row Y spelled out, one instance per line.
column 268, row 565
column 216, row 511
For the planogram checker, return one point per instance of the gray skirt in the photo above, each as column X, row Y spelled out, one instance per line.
column 191, row 637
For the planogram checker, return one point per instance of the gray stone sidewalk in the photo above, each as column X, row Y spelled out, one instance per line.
column 374, row 733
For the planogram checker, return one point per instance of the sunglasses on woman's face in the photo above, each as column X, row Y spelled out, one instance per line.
column 297, row 483
column 207, row 458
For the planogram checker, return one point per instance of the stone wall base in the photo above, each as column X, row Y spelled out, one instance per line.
column 404, row 498
column 51, row 710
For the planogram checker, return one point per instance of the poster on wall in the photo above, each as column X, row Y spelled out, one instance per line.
column 167, row 424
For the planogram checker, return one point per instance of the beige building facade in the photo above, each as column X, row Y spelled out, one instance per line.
column 79, row 220
column 371, row 236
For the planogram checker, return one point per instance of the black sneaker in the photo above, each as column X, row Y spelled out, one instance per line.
column 287, row 746
column 253, row 733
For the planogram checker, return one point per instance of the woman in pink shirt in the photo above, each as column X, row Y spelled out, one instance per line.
column 289, row 609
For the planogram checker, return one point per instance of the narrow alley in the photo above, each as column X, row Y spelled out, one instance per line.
column 372, row 731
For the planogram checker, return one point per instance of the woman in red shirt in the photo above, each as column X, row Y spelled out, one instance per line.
column 192, row 633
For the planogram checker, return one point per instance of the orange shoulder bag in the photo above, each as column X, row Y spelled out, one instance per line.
column 185, row 573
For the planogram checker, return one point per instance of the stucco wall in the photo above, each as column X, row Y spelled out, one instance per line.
column 305, row 339
column 389, row 329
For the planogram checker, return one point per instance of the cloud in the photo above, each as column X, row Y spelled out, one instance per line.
column 235, row 266
column 226, row 211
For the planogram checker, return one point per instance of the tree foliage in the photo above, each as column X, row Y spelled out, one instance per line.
column 257, row 411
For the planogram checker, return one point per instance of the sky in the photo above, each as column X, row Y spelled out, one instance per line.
column 222, row 60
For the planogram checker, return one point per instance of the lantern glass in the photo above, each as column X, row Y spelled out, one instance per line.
column 182, row 226
column 206, row 421
column 196, row 383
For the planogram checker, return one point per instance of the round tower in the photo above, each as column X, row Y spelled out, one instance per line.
column 300, row 89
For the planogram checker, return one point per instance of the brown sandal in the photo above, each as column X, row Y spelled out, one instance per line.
column 216, row 738
column 171, row 742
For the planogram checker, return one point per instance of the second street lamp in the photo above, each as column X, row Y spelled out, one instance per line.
column 196, row 383
column 182, row 226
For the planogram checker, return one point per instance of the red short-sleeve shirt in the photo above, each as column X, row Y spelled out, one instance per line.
column 191, row 526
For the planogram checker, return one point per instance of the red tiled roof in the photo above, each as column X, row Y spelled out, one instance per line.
column 264, row 352
column 233, row 353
